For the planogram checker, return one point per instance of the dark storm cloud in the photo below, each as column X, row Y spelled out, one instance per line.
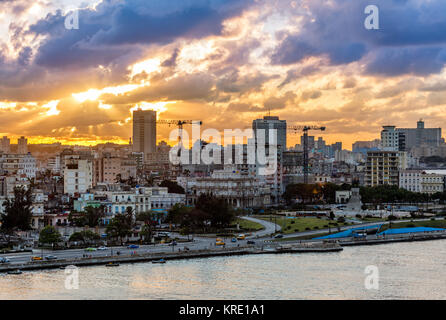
column 411, row 38
column 106, row 33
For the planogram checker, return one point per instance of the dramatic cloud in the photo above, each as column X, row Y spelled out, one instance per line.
column 225, row 62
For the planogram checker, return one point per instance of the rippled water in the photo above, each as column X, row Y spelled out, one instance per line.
column 407, row 271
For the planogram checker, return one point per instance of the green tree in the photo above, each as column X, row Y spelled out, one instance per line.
column 172, row 187
column 93, row 215
column 49, row 234
column 18, row 211
column 177, row 214
column 215, row 210
column 121, row 225
column 86, row 236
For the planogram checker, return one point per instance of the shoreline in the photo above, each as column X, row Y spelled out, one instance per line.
column 40, row 265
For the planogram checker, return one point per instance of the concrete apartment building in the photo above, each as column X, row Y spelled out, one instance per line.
column 275, row 180
column 404, row 139
column 78, row 175
column 21, row 165
column 22, row 145
column 107, row 168
column 5, row 145
column 382, row 167
column 144, row 131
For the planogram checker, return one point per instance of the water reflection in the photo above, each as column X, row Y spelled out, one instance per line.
column 407, row 271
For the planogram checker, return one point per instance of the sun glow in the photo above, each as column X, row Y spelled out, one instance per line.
column 159, row 107
column 147, row 66
column 94, row 94
column 52, row 108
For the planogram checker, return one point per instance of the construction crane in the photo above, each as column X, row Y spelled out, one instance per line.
column 178, row 123
column 305, row 130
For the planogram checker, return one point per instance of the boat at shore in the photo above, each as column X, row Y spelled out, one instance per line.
column 159, row 261
column 112, row 264
column 15, row 272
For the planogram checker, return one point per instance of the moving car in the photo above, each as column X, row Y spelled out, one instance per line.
column 36, row 258
column 278, row 236
column 102, row 248
column 90, row 249
column 250, row 242
column 219, row 243
column 50, row 257
column 241, row 237
column 4, row 260
column 133, row 246
column 173, row 243
column 233, row 240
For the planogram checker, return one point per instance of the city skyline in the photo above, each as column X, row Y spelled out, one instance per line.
column 225, row 63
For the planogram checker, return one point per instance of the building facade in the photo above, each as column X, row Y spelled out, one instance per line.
column 144, row 131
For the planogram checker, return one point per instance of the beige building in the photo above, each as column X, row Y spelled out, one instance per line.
column 382, row 167
column 107, row 169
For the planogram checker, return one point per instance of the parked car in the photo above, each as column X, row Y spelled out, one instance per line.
column 90, row 249
column 233, row 240
column 4, row 260
column 102, row 248
column 241, row 237
column 133, row 246
column 50, row 257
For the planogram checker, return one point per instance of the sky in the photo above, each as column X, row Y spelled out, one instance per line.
column 224, row 62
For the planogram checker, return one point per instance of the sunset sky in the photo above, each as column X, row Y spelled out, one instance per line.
column 225, row 62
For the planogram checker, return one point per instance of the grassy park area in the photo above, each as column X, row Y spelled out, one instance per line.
column 248, row 225
column 412, row 224
column 292, row 225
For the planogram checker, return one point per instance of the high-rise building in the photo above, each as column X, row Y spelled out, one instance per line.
column 22, row 145
column 144, row 131
column 5, row 145
column 404, row 139
column 275, row 178
column 382, row 167
column 270, row 123
column 392, row 139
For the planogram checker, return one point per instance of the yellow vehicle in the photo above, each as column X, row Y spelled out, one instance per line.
column 219, row 240
column 36, row 258
column 219, row 243
column 241, row 237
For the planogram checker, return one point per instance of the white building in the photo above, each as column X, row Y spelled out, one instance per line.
column 420, row 181
column 21, row 165
column 240, row 191
column 78, row 175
